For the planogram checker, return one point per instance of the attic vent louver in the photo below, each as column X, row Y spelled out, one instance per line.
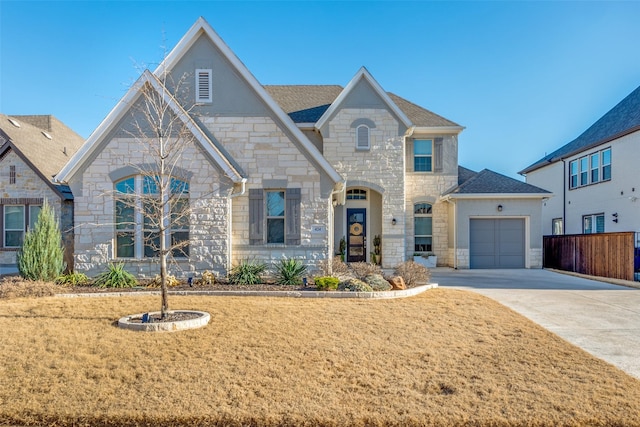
column 46, row 135
column 203, row 85
column 14, row 122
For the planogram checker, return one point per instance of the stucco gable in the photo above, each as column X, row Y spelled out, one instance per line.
column 99, row 137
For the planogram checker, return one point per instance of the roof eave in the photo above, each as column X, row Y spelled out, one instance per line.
column 447, row 130
column 451, row 196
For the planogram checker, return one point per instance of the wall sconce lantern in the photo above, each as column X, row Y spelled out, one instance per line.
column 615, row 217
column 393, row 221
column 499, row 208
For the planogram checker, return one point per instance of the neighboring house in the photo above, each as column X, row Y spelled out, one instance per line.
column 32, row 151
column 594, row 177
column 290, row 171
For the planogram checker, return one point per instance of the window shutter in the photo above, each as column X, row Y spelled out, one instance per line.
column 292, row 215
column 437, row 155
column 409, row 155
column 203, row 86
column 256, row 216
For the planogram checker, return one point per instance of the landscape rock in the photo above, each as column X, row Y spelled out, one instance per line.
column 397, row 283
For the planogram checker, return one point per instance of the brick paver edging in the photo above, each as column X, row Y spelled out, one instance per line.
column 289, row 294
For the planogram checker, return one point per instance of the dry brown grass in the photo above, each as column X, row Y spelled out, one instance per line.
column 443, row 358
column 16, row 287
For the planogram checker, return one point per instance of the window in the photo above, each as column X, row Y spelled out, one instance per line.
column 423, row 227
column 18, row 216
column 591, row 169
column 556, row 226
column 12, row 174
column 138, row 212
column 606, row 164
column 275, row 216
column 593, row 223
column 356, row 194
column 595, row 167
column 422, row 155
column 362, row 138
column 204, row 92
column 13, row 226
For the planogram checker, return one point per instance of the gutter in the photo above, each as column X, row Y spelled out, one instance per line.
column 243, row 189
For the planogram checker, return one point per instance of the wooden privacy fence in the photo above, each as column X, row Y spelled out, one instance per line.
column 601, row 254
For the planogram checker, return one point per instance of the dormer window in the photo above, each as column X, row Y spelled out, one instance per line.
column 362, row 138
column 204, row 91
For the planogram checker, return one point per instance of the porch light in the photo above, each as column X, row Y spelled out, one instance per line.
column 393, row 221
column 499, row 208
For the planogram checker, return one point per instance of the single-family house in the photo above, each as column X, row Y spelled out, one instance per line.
column 32, row 150
column 594, row 177
column 290, row 171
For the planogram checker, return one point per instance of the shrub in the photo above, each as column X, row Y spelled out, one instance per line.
column 289, row 271
column 72, row 279
column 208, row 278
column 157, row 281
column 247, row 273
column 326, row 283
column 362, row 269
column 42, row 256
column 412, row 273
column 354, row 285
column 334, row 266
column 377, row 282
column 17, row 287
column 115, row 277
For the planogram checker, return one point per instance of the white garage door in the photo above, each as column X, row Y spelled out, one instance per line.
column 496, row 243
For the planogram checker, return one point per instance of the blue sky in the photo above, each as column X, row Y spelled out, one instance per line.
column 524, row 78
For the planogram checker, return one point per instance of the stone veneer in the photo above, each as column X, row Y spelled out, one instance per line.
column 29, row 185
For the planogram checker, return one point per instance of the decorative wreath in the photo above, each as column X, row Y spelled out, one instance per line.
column 356, row 229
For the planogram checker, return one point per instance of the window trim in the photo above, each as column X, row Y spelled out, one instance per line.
column 18, row 201
column 428, row 214
column 577, row 173
column 13, row 230
column 555, row 221
column 203, row 74
column 594, row 223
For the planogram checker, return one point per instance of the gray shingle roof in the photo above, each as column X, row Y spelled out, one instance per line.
column 47, row 155
column 489, row 182
column 307, row 103
column 619, row 121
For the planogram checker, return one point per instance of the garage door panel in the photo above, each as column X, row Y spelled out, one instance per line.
column 497, row 243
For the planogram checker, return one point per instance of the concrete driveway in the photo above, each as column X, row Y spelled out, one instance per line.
column 601, row 318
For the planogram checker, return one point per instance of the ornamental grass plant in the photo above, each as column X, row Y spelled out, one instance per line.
column 442, row 358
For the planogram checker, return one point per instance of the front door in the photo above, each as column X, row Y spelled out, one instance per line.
column 357, row 235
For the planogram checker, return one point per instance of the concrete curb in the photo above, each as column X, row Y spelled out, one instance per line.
column 176, row 325
column 274, row 294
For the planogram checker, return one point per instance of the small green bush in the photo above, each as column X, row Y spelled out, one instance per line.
column 289, row 271
column 247, row 273
column 72, row 279
column 326, row 283
column 377, row 282
column 41, row 256
column 354, row 285
column 115, row 277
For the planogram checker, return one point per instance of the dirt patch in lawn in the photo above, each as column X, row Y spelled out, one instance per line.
column 443, row 358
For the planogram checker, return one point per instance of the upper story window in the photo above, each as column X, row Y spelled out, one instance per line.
column 593, row 223
column 363, row 137
column 204, row 90
column 423, row 155
column 590, row 169
column 356, row 194
column 139, row 213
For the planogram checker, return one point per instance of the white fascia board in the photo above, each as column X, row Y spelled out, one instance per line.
column 309, row 125
column 363, row 74
column 442, row 130
column 497, row 196
column 114, row 117
column 191, row 36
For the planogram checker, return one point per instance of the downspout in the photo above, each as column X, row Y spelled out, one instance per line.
column 564, row 196
column 243, row 189
column 455, row 231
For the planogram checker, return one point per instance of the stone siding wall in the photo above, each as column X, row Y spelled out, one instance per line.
column 382, row 165
column 95, row 213
column 28, row 185
column 271, row 160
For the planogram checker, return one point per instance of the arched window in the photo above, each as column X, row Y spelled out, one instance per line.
column 362, row 137
column 356, row 194
column 139, row 211
column 423, row 227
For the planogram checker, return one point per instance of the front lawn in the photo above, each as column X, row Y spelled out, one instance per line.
column 443, row 358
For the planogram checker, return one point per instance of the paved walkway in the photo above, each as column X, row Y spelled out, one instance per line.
column 601, row 318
